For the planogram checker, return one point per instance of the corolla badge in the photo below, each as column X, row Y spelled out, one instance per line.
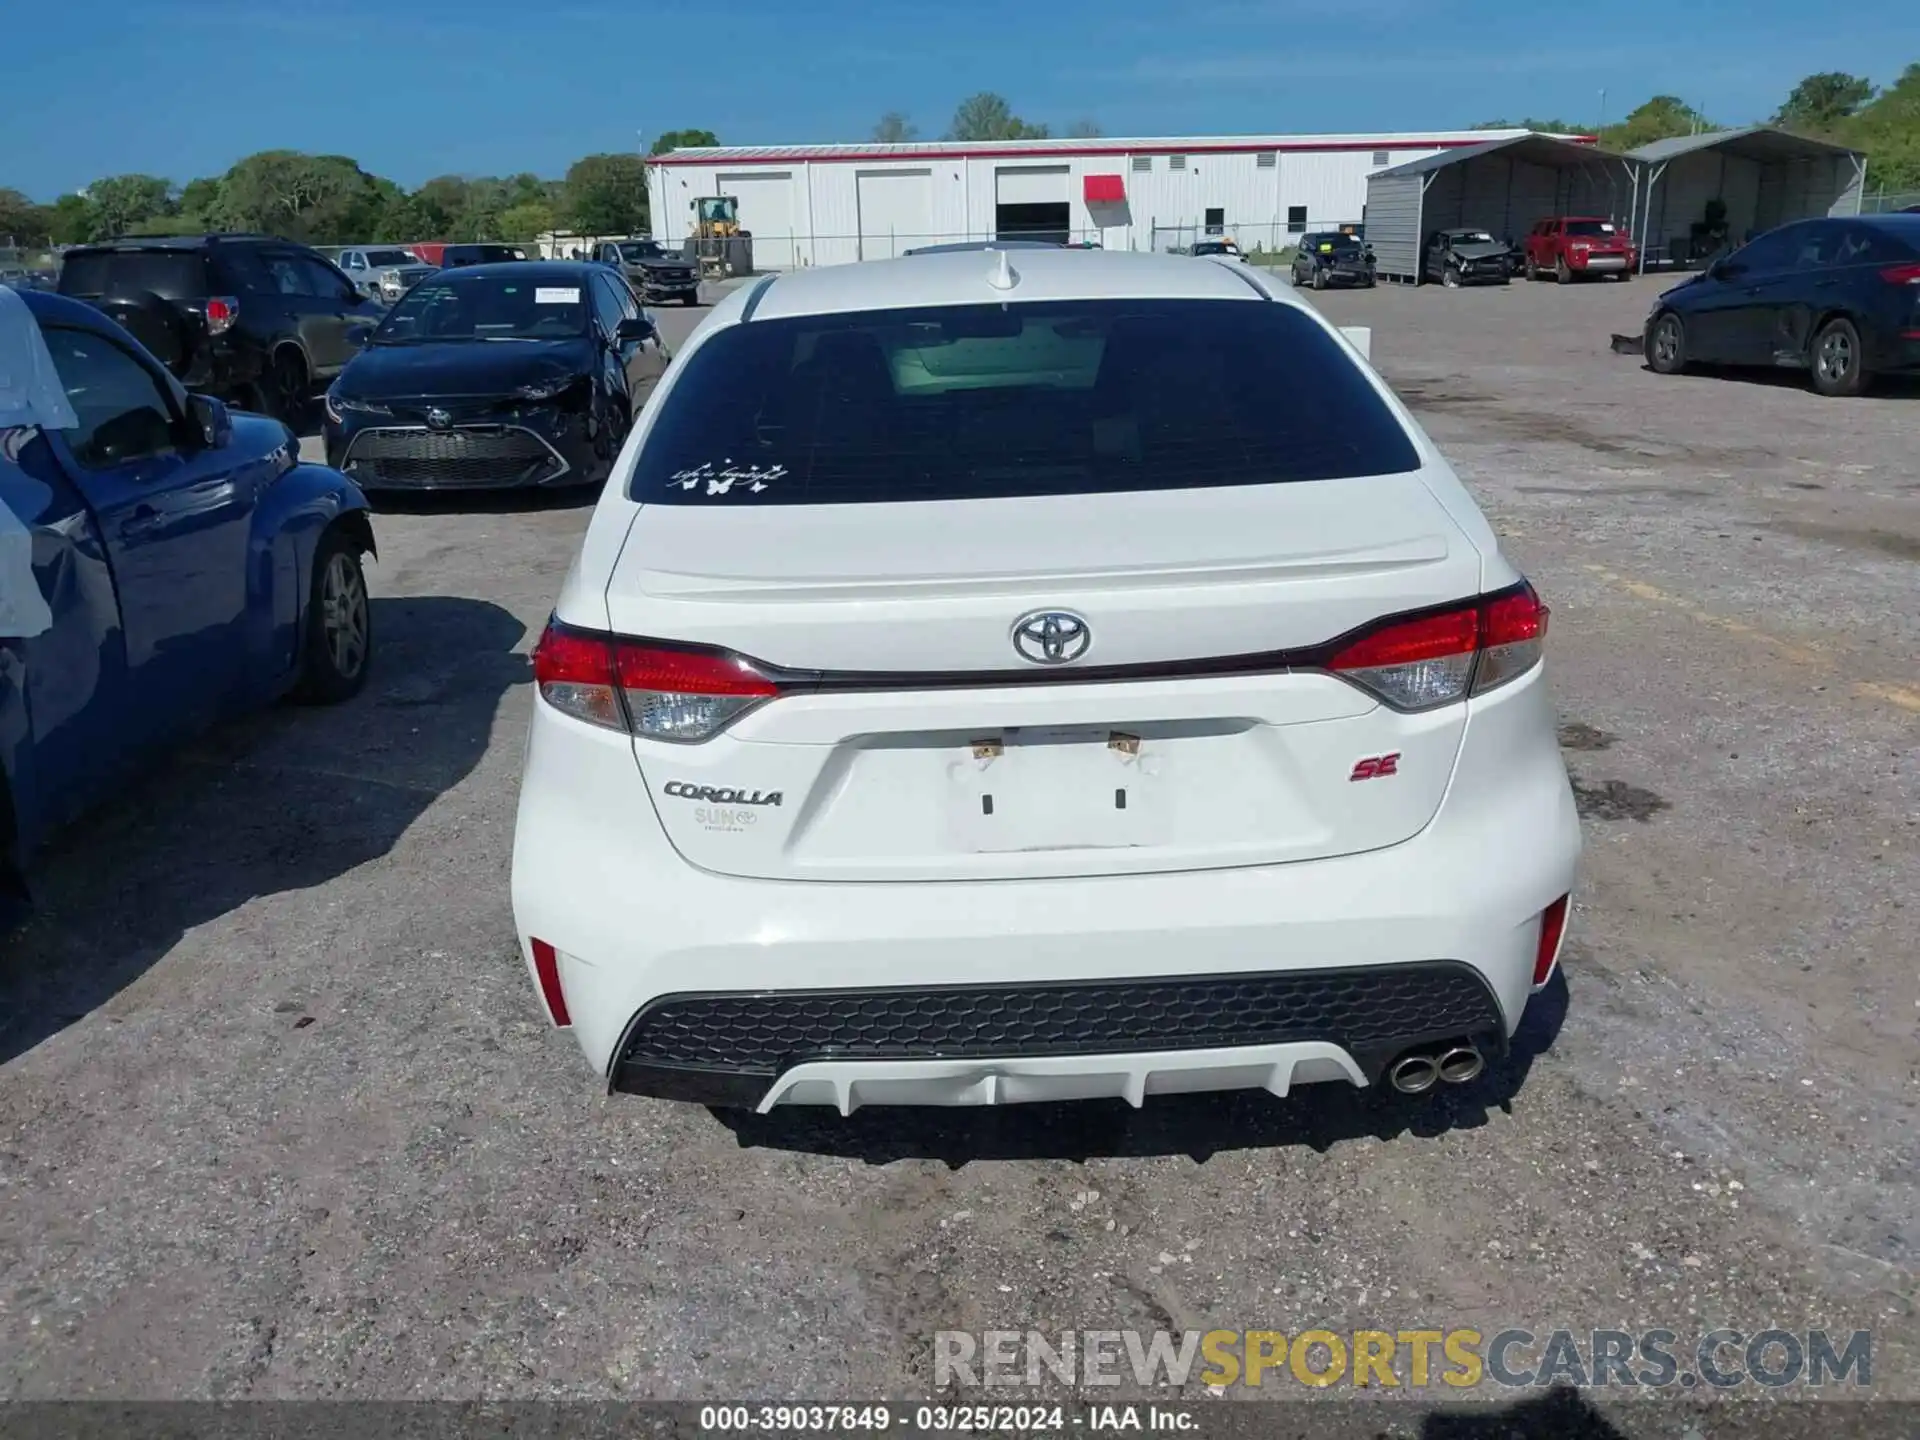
column 1051, row 637
column 438, row 419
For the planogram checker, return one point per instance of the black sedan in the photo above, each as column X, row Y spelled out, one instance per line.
column 496, row 376
column 1217, row 247
column 1838, row 298
column 1467, row 257
column 1332, row 258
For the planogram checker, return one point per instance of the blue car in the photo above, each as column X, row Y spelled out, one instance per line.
column 1837, row 297
column 164, row 564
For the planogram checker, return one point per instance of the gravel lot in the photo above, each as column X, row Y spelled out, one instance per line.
column 279, row 1117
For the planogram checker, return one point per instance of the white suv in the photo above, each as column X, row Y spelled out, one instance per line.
column 1036, row 675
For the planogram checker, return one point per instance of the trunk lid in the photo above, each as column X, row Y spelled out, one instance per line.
column 954, row 758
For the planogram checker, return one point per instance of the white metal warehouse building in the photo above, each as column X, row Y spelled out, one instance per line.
column 835, row 204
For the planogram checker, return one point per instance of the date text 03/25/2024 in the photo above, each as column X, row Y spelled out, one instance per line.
column 938, row 1419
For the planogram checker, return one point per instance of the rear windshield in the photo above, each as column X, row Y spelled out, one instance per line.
column 989, row 401
column 479, row 254
column 170, row 274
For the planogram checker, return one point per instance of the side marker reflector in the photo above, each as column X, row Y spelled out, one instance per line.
column 546, row 966
column 1553, row 925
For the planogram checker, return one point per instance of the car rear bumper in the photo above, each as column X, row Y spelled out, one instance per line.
column 1895, row 347
column 1086, row 1039
column 639, row 933
column 223, row 368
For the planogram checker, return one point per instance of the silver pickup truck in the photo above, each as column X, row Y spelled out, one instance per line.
column 382, row 272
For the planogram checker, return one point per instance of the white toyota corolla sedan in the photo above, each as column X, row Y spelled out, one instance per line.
column 1036, row 675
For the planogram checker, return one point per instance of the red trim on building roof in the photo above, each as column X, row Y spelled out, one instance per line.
column 911, row 152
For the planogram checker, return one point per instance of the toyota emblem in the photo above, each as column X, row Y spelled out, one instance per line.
column 1051, row 637
column 438, row 419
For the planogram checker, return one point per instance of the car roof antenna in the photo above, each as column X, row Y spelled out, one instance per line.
column 1004, row 276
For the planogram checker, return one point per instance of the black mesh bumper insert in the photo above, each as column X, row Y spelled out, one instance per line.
column 476, row 456
column 683, row 1046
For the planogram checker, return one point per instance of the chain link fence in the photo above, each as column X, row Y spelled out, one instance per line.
column 1265, row 243
column 1270, row 243
column 797, row 249
column 1886, row 204
column 800, row 249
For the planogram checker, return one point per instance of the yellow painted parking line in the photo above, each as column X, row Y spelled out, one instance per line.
column 1901, row 695
column 1810, row 655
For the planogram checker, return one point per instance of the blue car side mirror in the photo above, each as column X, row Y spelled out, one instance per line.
column 212, row 421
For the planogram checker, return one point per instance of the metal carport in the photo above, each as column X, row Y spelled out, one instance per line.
column 1503, row 186
column 1764, row 177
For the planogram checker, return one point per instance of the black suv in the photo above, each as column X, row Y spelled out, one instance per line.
column 256, row 320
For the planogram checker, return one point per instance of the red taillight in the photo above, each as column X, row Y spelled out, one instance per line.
column 1901, row 274
column 574, row 671
column 689, row 672
column 222, row 311
column 1512, row 637
column 1553, row 924
column 656, row 691
column 1414, row 664
column 1433, row 637
column 1435, row 659
column 546, row 968
column 687, row 695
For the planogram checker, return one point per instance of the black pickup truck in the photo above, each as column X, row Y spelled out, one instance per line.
column 656, row 272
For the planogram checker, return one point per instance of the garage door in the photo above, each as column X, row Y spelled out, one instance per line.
column 896, row 211
column 1032, row 184
column 766, row 213
column 1032, row 201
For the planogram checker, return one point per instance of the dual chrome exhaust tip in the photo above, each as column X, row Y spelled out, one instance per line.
column 1419, row 1071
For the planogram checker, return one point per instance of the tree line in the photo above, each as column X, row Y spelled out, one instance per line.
column 329, row 199
column 1883, row 124
column 985, row 116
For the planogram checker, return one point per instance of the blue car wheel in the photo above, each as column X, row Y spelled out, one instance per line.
column 339, row 634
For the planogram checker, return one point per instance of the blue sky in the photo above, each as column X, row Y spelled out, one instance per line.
column 417, row 88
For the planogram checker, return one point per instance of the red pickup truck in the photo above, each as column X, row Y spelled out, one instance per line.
column 1575, row 247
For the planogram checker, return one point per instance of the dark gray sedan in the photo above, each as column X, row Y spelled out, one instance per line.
column 1467, row 256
